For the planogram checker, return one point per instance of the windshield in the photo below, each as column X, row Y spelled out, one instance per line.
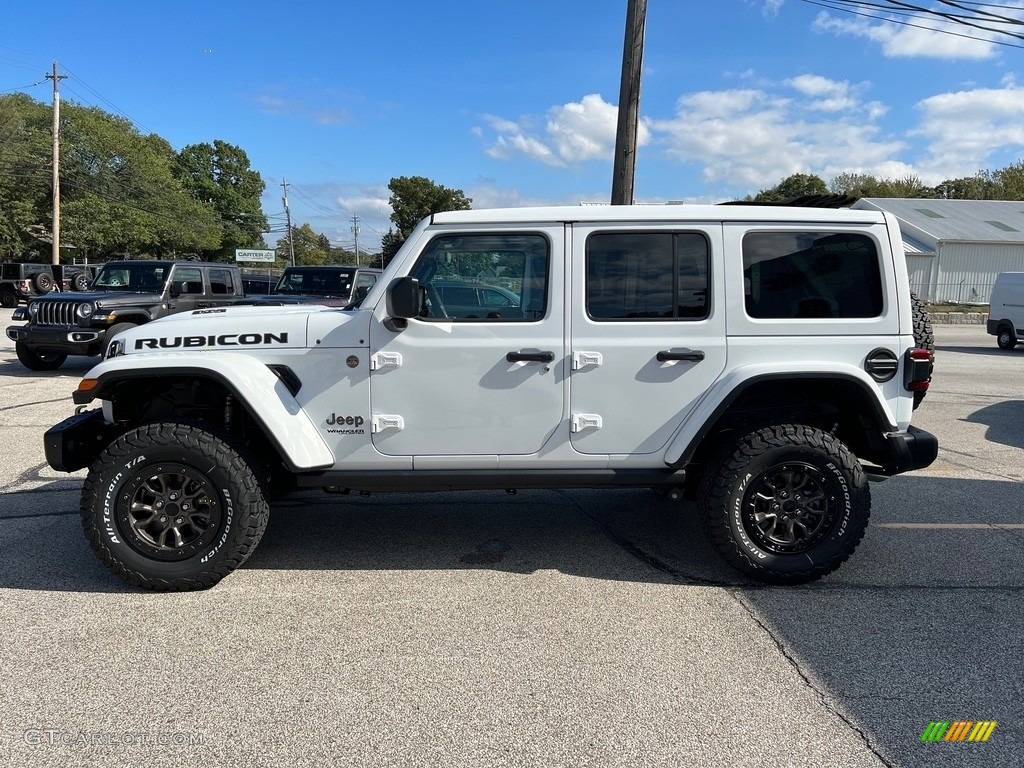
column 126, row 276
column 320, row 282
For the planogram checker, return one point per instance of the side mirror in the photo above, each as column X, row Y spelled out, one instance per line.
column 404, row 300
column 175, row 291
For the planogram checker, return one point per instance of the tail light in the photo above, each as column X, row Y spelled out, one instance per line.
column 917, row 369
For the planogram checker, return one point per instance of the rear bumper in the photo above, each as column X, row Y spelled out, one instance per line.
column 910, row 450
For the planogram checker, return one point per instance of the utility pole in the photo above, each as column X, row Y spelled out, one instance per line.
column 55, row 250
column 624, row 170
column 355, row 232
column 288, row 217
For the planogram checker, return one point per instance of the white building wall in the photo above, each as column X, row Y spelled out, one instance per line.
column 967, row 271
column 921, row 270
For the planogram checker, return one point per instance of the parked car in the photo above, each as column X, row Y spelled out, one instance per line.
column 258, row 285
column 763, row 360
column 332, row 286
column 1006, row 309
column 21, row 281
column 124, row 294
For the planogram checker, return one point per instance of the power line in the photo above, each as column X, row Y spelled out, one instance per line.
column 889, row 11
column 108, row 102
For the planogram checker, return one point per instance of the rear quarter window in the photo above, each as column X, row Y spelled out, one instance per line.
column 812, row 275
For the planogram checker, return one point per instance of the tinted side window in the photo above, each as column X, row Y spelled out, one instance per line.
column 220, row 281
column 485, row 277
column 188, row 279
column 647, row 276
column 790, row 275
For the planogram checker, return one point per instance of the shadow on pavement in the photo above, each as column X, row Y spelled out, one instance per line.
column 1005, row 421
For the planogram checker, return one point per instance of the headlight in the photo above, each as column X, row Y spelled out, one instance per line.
column 115, row 349
column 85, row 310
column 33, row 309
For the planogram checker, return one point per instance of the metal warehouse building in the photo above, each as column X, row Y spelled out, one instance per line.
column 955, row 248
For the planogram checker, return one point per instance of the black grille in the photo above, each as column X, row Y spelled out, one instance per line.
column 56, row 312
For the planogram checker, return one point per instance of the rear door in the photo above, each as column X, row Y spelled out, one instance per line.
column 648, row 337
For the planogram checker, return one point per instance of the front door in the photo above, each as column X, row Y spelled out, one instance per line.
column 648, row 338
column 472, row 379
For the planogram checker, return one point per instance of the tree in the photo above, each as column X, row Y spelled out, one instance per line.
column 797, row 185
column 308, row 245
column 25, row 197
column 980, row 186
column 864, row 185
column 412, row 199
column 119, row 192
column 218, row 175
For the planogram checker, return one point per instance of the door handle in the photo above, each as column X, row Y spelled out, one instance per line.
column 530, row 357
column 691, row 356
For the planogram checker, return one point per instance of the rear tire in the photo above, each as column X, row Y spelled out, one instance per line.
column 786, row 504
column 80, row 282
column 8, row 298
column 44, row 282
column 38, row 361
column 173, row 507
column 924, row 337
column 1006, row 337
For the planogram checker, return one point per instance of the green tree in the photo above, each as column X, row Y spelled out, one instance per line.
column 797, row 185
column 412, row 199
column 25, row 185
column 308, row 245
column 865, row 185
column 119, row 192
column 218, row 175
column 1009, row 181
column 980, row 186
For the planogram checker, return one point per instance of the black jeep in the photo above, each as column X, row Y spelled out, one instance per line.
column 123, row 294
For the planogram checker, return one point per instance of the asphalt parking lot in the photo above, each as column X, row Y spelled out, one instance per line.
column 585, row 628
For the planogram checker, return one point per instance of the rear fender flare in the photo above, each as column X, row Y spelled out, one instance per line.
column 731, row 387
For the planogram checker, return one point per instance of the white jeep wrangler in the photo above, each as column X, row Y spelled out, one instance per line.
column 760, row 358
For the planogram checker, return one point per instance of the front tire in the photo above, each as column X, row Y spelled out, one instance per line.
column 173, row 507
column 38, row 361
column 786, row 504
column 1006, row 337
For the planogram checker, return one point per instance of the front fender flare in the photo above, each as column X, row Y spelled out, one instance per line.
column 267, row 398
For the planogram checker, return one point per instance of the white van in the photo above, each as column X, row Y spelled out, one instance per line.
column 1006, row 309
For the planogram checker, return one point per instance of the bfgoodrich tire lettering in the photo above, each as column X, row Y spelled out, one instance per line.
column 786, row 504
column 173, row 507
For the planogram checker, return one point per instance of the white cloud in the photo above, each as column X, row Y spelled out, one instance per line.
column 752, row 138
column 771, row 8
column 966, row 128
column 941, row 40
column 573, row 133
column 276, row 101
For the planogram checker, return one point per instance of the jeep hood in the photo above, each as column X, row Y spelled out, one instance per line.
column 227, row 328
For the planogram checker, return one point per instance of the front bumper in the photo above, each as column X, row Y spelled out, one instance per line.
column 77, row 441
column 65, row 339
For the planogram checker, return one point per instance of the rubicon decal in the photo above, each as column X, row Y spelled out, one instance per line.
column 220, row 340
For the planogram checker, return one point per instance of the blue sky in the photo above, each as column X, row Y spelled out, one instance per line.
column 514, row 103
